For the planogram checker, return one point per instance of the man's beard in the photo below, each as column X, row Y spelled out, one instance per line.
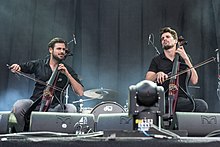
column 167, row 47
column 57, row 58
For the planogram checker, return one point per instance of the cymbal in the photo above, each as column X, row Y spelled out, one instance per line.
column 100, row 93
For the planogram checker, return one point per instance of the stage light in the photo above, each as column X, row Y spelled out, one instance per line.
column 146, row 93
column 146, row 103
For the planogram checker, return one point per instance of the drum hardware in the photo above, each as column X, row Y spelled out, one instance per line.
column 126, row 106
column 100, row 93
column 67, row 95
column 81, row 108
column 81, row 101
column 95, row 94
column 107, row 108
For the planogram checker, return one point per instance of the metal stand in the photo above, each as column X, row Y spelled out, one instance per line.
column 151, row 41
column 81, row 105
column 217, row 59
column 81, row 108
column 67, row 95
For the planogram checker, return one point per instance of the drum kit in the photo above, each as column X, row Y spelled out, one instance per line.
column 103, row 107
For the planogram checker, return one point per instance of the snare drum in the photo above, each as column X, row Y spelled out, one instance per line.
column 107, row 107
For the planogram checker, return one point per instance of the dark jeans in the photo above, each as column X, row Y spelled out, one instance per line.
column 21, row 106
column 185, row 105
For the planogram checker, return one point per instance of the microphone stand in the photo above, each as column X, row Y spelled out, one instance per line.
column 218, row 64
column 74, row 42
column 152, row 43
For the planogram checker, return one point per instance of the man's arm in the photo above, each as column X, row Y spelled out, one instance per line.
column 76, row 86
column 27, row 67
column 159, row 77
column 194, row 77
column 150, row 75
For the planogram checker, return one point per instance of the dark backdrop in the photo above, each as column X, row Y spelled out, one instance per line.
column 112, row 48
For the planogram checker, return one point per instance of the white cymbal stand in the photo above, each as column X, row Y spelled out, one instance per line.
column 67, row 95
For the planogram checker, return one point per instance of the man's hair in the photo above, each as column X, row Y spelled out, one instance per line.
column 56, row 40
column 169, row 30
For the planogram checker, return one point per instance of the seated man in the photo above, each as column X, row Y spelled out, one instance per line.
column 43, row 69
column 162, row 65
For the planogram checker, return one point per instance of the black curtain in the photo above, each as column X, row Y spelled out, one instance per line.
column 112, row 48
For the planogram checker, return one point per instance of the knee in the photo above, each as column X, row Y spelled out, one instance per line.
column 201, row 106
column 19, row 109
column 21, row 106
column 70, row 108
column 206, row 107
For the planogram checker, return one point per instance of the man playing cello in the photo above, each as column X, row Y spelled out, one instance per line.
column 161, row 67
column 42, row 70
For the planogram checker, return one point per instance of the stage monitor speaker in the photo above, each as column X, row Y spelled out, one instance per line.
column 114, row 121
column 62, row 122
column 197, row 124
column 7, row 122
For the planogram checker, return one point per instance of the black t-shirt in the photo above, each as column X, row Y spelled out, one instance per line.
column 42, row 72
column 162, row 63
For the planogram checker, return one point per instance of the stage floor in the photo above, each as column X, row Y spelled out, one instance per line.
column 50, row 139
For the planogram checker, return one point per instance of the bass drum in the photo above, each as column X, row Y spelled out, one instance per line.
column 107, row 107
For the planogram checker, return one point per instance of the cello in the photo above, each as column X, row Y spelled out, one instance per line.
column 48, row 92
column 174, row 80
column 45, row 100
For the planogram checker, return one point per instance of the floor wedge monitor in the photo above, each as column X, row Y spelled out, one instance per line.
column 114, row 121
column 7, row 121
column 62, row 122
column 197, row 124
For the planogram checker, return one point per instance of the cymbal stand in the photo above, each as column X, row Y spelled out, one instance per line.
column 126, row 106
column 67, row 95
column 80, row 105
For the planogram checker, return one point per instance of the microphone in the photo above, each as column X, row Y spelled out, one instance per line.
column 74, row 38
column 149, row 37
column 217, row 55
